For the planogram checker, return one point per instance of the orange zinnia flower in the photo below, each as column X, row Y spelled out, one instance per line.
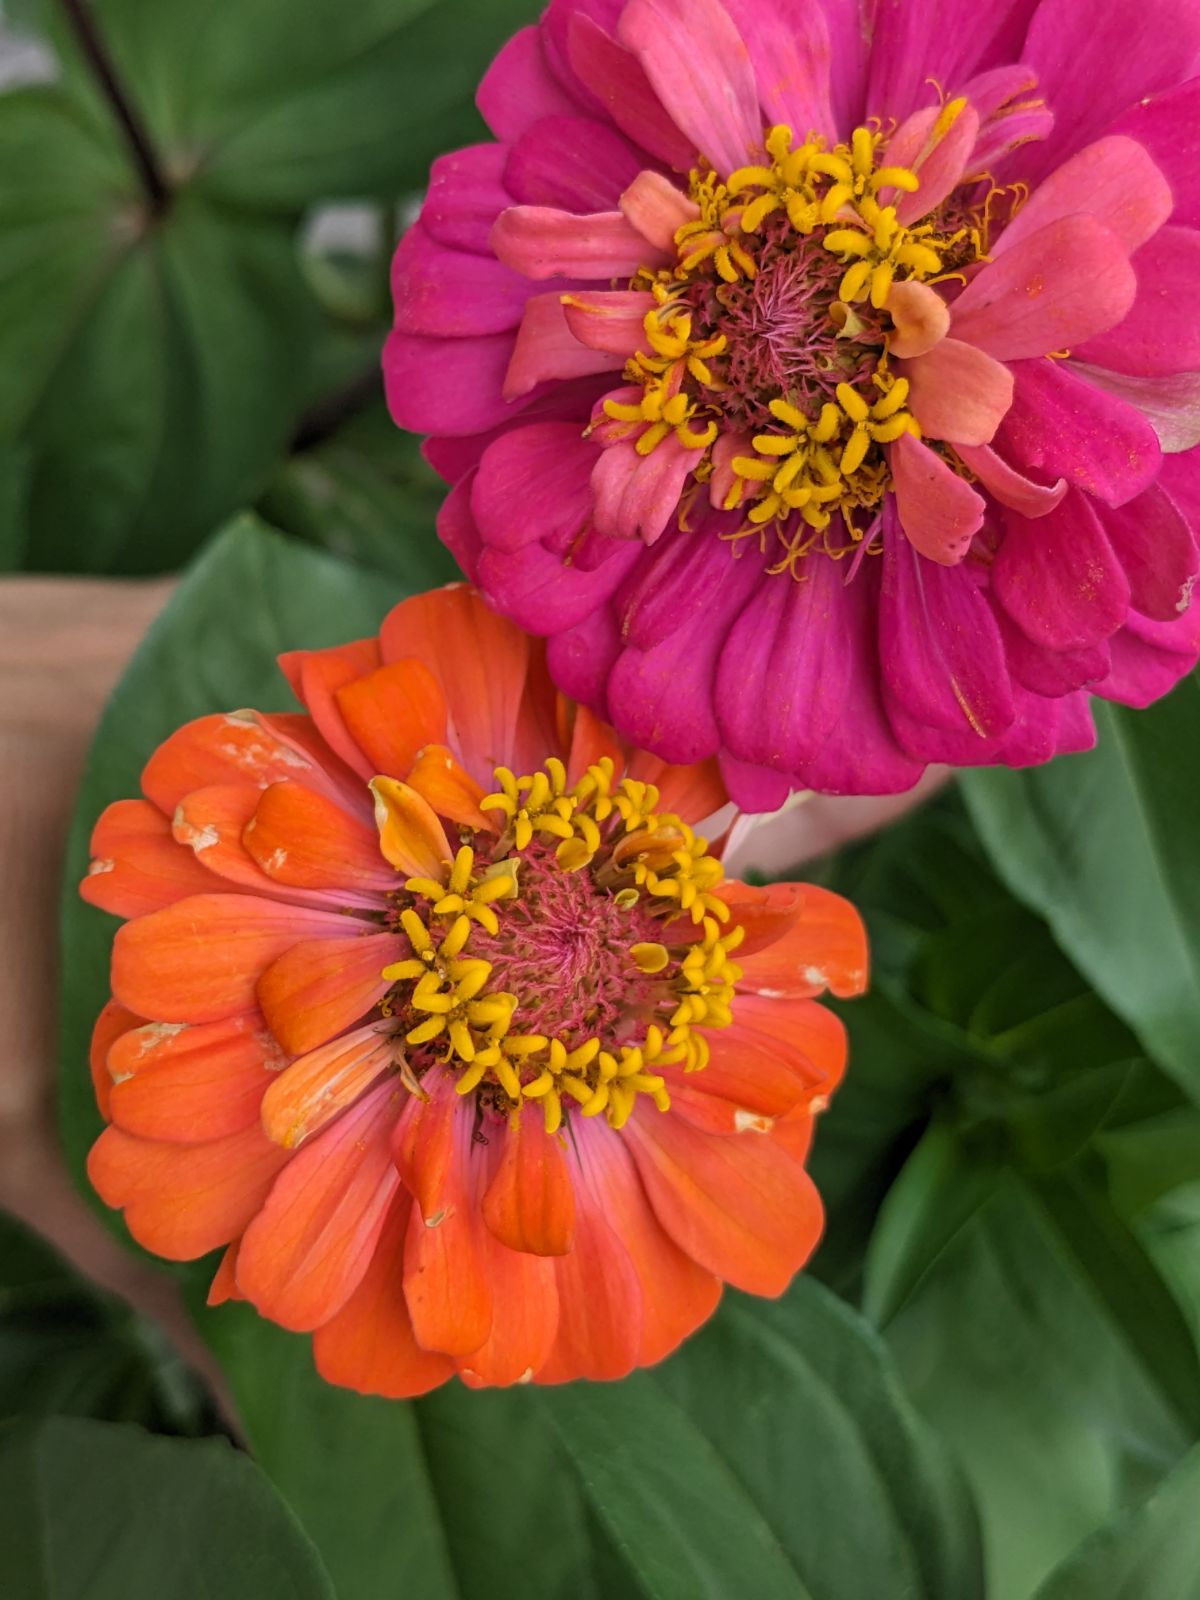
column 472, row 1070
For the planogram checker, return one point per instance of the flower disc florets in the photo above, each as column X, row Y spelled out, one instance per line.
column 566, row 958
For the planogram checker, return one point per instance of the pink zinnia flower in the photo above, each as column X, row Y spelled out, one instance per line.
column 825, row 386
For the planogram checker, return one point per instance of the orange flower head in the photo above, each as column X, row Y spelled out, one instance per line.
column 433, row 1006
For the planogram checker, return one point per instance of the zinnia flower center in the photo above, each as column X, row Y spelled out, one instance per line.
column 767, row 350
column 566, row 957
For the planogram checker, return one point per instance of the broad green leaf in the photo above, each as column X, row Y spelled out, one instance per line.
column 366, row 495
column 98, row 1511
column 1104, row 846
column 1151, row 1553
column 67, row 1347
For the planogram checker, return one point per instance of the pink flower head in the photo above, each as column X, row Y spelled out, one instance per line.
column 826, row 389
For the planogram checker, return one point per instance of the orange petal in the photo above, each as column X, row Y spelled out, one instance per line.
column 306, row 1251
column 530, row 1203
column 224, row 748
column 299, row 837
column 410, row 835
column 199, row 959
column 425, row 1147
column 776, row 1055
column 315, row 1088
column 320, row 987
column 113, row 1021
column 591, row 741
column 224, row 1285
column 482, row 662
column 369, row 1345
column 316, row 676
column 825, row 947
column 740, row 1206
column 599, row 1303
column 766, row 913
column 136, row 865
column 449, row 788
column 210, row 822
column 677, row 1294
column 183, row 1200
column 192, row 1084
column 694, row 792
column 524, row 1319
column 392, row 713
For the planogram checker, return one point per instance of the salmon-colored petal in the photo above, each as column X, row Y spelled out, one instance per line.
column 825, row 947
column 113, row 1021
column 306, row 1251
column 482, row 662
column 524, row 1317
column 316, row 676
column 677, row 1294
column 192, row 1084
column 320, row 987
column 393, row 712
column 957, row 392
column 599, row 1299
column 920, row 318
column 319, row 1085
column 530, row 1203
column 234, row 747
column 369, row 1344
column 224, row 1284
column 137, row 866
column 301, row 838
column 183, row 1200
column 199, row 959
column 410, row 835
column 449, row 788
column 740, row 1206
column 939, row 512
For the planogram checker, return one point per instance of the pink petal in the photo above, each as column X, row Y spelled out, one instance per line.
column 572, row 162
column 1069, row 428
column 657, row 209
column 791, row 54
column 958, row 392
column 533, row 483
column 466, row 194
column 921, row 318
column 636, row 496
column 544, row 243
column 939, row 164
column 1113, row 180
column 615, row 76
column 1007, row 485
column 939, row 512
column 437, row 290
column 1059, row 579
column 545, row 594
column 1155, row 546
column 700, row 69
column 1063, row 284
column 547, row 348
column 519, row 89
column 1161, row 334
column 1168, row 125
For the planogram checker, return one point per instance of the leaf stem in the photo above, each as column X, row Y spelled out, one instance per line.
column 91, row 42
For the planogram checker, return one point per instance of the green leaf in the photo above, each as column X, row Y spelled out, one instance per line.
column 69, row 1348
column 96, row 1511
column 1152, row 1553
column 151, row 367
column 1104, row 846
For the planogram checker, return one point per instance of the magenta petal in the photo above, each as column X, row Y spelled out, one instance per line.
column 1161, row 333
column 679, row 575
column 519, row 88
column 700, row 69
column 785, row 668
column 1168, row 124
column 1155, row 546
column 1171, row 405
column 437, row 290
column 941, row 652
column 939, row 512
column 1050, row 672
column 457, row 530
column 752, row 789
column 1094, row 61
column 1068, row 428
column 636, row 496
column 1149, row 658
column 789, row 47
column 581, row 658
column 957, row 392
column 447, row 385
column 574, row 163
column 1066, row 282
column 1059, row 578
column 546, row 348
column 943, row 40
column 1006, row 484
column 541, row 592
column 466, row 194
column 544, row 243
column 615, row 77
column 1113, row 180
column 532, row 484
